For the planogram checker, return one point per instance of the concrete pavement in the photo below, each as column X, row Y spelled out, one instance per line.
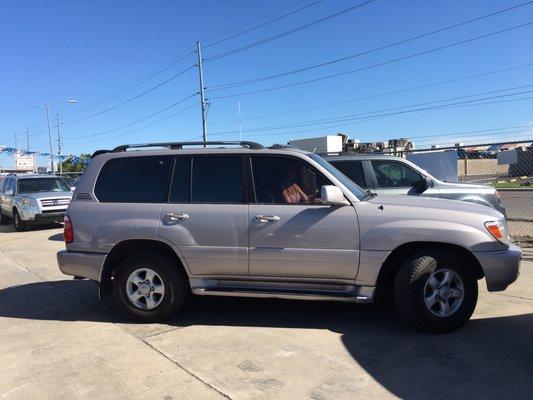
column 59, row 341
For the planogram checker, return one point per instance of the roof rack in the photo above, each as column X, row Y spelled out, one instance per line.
column 179, row 145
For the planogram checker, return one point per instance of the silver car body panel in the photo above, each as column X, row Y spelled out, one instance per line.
column 313, row 244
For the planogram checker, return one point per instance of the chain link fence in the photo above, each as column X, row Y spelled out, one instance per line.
column 507, row 167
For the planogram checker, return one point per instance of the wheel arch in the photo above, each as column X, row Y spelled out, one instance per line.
column 393, row 262
column 127, row 247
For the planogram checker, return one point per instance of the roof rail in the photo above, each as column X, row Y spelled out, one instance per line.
column 98, row 152
column 179, row 145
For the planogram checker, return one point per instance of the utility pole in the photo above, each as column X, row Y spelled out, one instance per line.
column 240, row 121
column 202, row 99
column 50, row 139
column 28, row 139
column 59, row 162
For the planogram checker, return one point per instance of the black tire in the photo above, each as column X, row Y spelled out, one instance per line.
column 410, row 289
column 174, row 280
column 4, row 220
column 18, row 223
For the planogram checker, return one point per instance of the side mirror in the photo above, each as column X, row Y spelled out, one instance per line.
column 9, row 192
column 423, row 184
column 330, row 194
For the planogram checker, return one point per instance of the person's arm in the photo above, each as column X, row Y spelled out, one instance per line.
column 305, row 198
column 286, row 196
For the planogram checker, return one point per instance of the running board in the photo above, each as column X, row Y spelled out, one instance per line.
column 343, row 293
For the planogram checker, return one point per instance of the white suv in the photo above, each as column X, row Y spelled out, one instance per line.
column 33, row 200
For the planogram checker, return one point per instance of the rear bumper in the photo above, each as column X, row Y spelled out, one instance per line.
column 86, row 265
column 501, row 268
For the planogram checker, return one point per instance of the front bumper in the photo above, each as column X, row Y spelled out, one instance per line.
column 86, row 265
column 36, row 216
column 501, row 268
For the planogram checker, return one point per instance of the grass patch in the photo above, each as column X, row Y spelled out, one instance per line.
column 511, row 185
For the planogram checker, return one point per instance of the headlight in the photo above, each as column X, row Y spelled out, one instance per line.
column 498, row 230
column 28, row 202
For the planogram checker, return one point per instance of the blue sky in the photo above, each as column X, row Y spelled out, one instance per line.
column 91, row 50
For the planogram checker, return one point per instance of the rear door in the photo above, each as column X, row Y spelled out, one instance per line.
column 206, row 216
column 294, row 234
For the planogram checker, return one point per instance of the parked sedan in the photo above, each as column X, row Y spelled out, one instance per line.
column 396, row 176
column 33, row 199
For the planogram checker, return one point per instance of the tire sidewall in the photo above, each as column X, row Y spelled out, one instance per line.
column 18, row 223
column 175, row 288
column 414, row 295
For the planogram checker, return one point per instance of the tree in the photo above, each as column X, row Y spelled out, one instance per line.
column 75, row 164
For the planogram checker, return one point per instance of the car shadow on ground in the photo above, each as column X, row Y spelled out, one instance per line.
column 9, row 228
column 490, row 357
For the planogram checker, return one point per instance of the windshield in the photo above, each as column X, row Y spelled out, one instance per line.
column 35, row 185
column 347, row 182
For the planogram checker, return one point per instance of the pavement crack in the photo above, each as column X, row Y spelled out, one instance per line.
column 514, row 297
column 189, row 372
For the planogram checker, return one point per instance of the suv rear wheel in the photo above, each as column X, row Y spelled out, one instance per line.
column 149, row 288
column 4, row 220
column 436, row 291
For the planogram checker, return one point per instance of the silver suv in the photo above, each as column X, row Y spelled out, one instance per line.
column 397, row 176
column 33, row 200
column 154, row 225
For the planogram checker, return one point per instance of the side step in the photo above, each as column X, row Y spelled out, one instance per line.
column 343, row 293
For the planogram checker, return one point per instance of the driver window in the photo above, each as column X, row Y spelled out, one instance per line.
column 393, row 174
column 285, row 180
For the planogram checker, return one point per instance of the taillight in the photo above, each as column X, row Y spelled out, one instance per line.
column 68, row 231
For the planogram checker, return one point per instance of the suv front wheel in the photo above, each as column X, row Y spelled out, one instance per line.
column 149, row 287
column 436, row 290
column 20, row 225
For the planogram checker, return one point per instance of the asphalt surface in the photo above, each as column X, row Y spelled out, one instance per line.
column 58, row 341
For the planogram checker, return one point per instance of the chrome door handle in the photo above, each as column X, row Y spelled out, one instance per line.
column 266, row 218
column 177, row 216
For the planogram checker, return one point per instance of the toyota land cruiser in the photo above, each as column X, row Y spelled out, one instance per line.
column 152, row 223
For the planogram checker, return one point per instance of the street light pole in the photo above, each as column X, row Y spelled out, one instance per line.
column 59, row 163
column 50, row 138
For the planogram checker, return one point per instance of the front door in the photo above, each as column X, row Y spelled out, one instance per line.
column 291, row 233
column 206, row 217
column 397, row 178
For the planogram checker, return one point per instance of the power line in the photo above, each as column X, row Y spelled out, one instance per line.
column 135, row 97
column 349, row 57
column 145, row 126
column 136, row 84
column 379, row 94
column 289, row 32
column 298, row 83
column 379, row 113
column 139, row 120
column 253, row 21
column 263, row 24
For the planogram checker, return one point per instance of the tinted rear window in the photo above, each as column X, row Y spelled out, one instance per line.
column 134, row 180
column 180, row 190
column 218, row 179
